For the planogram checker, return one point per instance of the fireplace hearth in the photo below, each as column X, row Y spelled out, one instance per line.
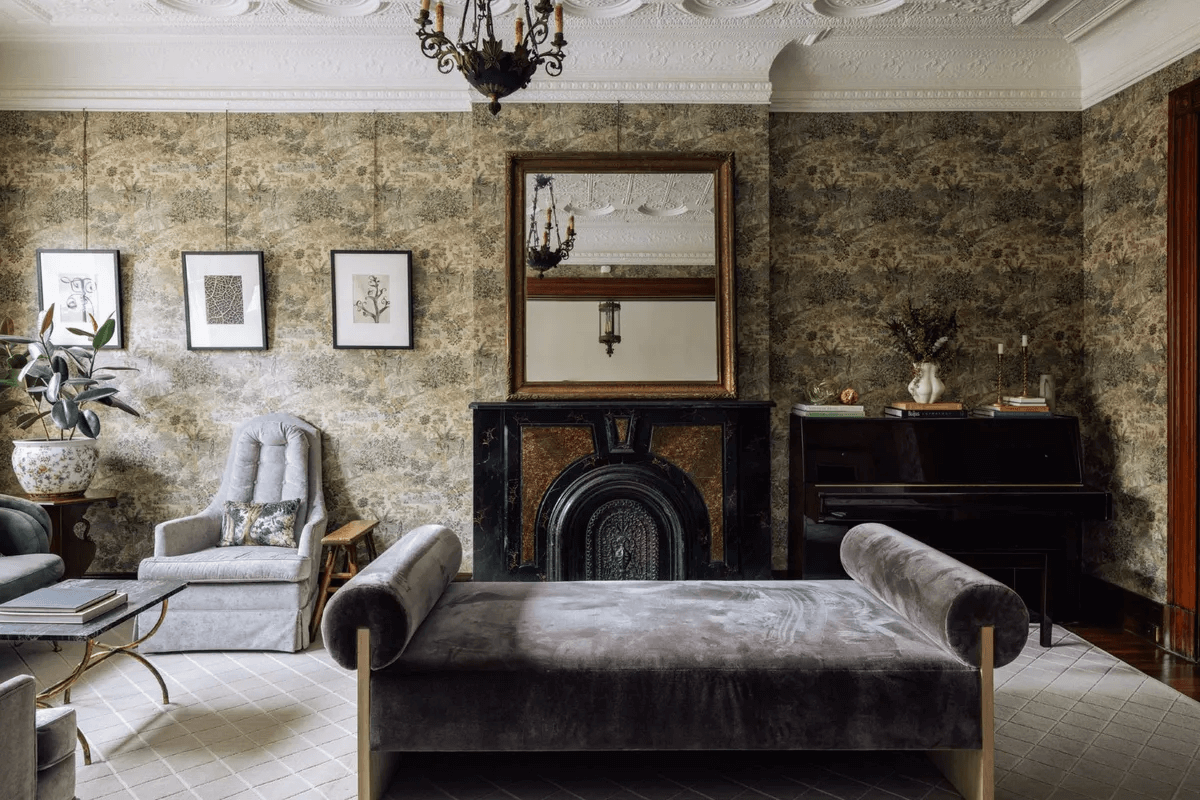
column 622, row 491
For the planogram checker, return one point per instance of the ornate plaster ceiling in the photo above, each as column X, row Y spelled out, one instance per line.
column 796, row 55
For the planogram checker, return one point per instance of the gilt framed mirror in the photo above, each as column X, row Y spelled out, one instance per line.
column 620, row 276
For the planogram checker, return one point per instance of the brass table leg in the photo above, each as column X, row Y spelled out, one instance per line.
column 94, row 654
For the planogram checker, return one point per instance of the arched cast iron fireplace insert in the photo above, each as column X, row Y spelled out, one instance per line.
column 629, row 491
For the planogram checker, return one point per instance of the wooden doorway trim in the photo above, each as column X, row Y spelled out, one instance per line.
column 1183, row 408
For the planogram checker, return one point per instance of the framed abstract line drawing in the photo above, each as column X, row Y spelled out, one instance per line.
column 372, row 298
column 80, row 284
column 223, row 300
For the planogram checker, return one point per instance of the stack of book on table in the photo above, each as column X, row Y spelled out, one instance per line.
column 912, row 409
column 832, row 410
column 61, row 605
column 1014, row 407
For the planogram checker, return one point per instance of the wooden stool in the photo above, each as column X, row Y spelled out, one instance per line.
column 342, row 541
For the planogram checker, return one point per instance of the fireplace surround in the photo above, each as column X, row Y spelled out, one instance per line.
column 622, row 490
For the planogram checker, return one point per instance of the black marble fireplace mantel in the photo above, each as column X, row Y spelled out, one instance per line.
column 574, row 490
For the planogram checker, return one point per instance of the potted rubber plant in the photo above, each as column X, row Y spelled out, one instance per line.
column 59, row 387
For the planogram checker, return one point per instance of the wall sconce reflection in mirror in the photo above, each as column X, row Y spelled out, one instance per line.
column 539, row 255
column 610, row 324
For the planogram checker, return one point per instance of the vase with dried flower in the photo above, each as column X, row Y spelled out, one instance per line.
column 922, row 334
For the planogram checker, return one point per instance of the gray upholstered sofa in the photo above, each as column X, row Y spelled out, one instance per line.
column 37, row 746
column 26, row 562
column 890, row 659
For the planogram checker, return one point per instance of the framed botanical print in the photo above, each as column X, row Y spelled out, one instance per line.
column 81, row 285
column 372, row 298
column 223, row 300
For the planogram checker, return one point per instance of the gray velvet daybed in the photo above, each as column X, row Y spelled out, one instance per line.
column 886, row 661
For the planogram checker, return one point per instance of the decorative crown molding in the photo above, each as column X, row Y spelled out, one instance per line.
column 795, row 55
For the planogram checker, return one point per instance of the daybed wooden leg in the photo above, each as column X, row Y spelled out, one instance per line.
column 375, row 770
column 973, row 772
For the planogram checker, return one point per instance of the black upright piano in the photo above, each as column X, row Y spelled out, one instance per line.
column 997, row 493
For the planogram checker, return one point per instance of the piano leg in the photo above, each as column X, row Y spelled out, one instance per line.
column 1047, row 625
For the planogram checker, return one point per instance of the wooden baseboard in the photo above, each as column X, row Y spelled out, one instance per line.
column 1112, row 606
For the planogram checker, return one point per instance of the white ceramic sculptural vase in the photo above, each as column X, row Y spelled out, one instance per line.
column 926, row 387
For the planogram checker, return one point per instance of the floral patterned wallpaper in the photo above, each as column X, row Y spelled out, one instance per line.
column 1125, row 348
column 1050, row 225
column 397, row 444
column 979, row 213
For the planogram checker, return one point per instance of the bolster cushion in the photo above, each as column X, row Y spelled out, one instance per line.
column 944, row 598
column 391, row 596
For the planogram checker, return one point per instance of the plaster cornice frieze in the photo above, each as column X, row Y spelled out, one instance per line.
column 924, row 100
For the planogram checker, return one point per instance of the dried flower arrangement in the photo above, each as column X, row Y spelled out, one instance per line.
column 921, row 334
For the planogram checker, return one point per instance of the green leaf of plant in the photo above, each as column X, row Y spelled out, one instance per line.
column 61, row 366
column 9, row 405
column 127, row 369
column 48, row 320
column 65, row 413
column 114, row 402
column 89, row 424
column 84, row 381
column 25, row 420
column 80, row 332
column 53, row 388
column 95, row 394
column 105, row 333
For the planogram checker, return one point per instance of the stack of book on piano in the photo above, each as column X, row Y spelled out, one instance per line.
column 834, row 410
column 906, row 408
column 1014, row 407
column 54, row 605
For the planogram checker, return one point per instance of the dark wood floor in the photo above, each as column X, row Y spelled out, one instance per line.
column 1142, row 654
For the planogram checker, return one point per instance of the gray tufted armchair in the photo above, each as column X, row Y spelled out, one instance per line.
column 245, row 597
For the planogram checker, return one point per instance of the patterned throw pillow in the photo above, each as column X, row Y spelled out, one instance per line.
column 271, row 524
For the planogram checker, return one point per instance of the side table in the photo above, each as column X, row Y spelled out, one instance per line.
column 343, row 541
column 70, row 528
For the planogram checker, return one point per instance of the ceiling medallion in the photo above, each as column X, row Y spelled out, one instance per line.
column 211, row 8
column 481, row 57
column 339, row 8
column 851, row 9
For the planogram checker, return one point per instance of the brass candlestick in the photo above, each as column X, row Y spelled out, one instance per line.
column 1024, row 370
column 1000, row 377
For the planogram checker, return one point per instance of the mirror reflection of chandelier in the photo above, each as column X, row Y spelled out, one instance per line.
column 481, row 57
column 610, row 324
column 539, row 255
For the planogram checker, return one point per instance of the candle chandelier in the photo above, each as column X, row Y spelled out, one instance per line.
column 538, row 253
column 481, row 57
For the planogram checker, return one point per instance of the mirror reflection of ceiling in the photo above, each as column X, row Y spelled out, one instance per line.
column 795, row 55
column 636, row 218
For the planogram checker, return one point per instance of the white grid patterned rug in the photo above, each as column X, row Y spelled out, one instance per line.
column 1072, row 722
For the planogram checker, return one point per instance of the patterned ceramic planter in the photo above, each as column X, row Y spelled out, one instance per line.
column 55, row 467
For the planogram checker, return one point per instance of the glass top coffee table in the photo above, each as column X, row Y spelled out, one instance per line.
column 142, row 595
